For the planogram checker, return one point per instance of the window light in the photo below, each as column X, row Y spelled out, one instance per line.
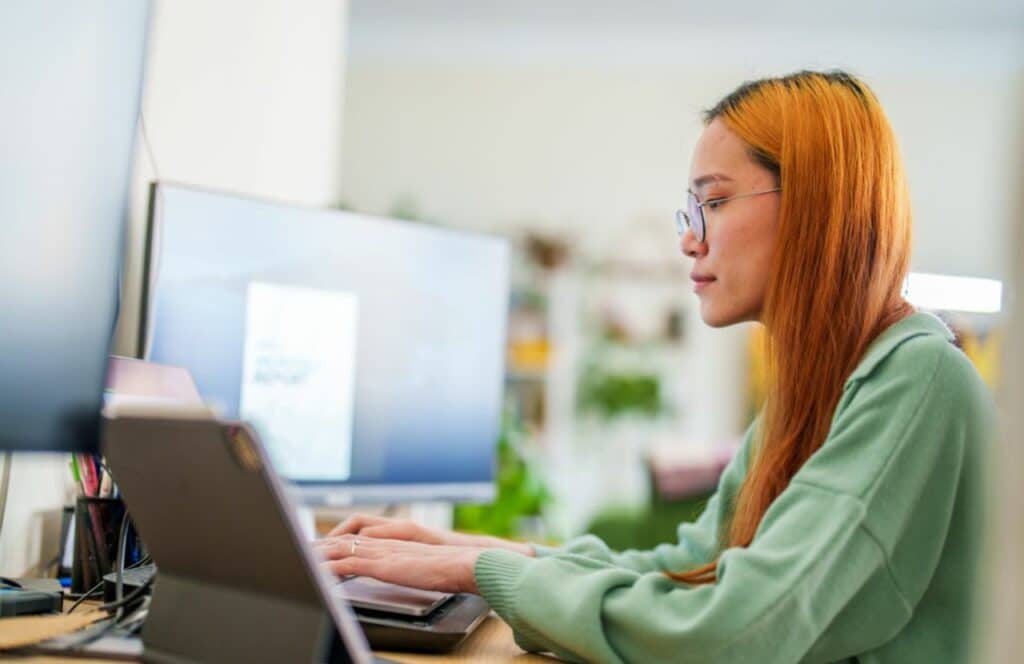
column 949, row 293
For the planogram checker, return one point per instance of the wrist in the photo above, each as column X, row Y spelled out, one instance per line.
column 469, row 584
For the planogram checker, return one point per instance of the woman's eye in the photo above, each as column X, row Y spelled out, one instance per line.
column 714, row 203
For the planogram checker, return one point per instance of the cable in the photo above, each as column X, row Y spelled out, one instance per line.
column 98, row 587
column 119, row 567
column 86, row 595
column 132, row 623
column 128, row 599
column 5, row 483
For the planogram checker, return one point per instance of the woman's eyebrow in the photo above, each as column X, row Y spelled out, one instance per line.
column 709, row 178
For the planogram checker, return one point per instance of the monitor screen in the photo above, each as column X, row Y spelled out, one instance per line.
column 367, row 352
column 72, row 78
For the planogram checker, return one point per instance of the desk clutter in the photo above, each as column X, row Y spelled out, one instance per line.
column 215, row 596
column 19, row 599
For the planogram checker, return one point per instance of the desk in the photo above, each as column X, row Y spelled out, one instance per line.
column 491, row 643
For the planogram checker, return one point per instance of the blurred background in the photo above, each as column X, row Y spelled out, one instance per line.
column 567, row 126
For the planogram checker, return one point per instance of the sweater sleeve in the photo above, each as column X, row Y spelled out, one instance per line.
column 697, row 542
column 823, row 579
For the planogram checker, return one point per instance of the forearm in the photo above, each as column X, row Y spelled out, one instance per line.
column 584, row 609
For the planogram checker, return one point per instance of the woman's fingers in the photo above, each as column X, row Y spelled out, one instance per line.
column 352, row 567
column 333, row 547
column 343, row 546
column 385, row 531
column 360, row 546
column 400, row 530
column 385, row 528
column 355, row 524
column 448, row 569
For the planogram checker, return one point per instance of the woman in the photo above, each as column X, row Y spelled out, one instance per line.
column 846, row 529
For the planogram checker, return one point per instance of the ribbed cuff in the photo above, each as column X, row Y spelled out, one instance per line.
column 497, row 573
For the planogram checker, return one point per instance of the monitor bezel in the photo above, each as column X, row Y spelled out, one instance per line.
column 317, row 493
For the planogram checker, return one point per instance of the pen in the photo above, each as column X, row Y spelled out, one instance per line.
column 106, row 484
column 88, row 472
column 76, row 474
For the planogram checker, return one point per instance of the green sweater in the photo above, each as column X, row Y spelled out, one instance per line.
column 868, row 556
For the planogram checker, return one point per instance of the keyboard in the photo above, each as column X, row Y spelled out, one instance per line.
column 397, row 617
column 362, row 592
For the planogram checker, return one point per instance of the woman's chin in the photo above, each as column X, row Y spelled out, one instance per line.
column 717, row 316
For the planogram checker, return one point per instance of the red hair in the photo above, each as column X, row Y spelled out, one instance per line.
column 841, row 258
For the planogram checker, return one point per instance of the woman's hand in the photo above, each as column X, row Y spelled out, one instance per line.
column 428, row 566
column 382, row 527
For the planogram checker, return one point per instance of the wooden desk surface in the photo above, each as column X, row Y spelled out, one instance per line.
column 492, row 642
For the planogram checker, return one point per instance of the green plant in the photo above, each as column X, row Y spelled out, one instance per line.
column 520, row 490
column 610, row 394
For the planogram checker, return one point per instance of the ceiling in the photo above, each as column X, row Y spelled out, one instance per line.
column 942, row 14
column 922, row 37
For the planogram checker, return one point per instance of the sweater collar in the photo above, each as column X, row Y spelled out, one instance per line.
column 915, row 325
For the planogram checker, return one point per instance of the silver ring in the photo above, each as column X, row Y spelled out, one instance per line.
column 355, row 543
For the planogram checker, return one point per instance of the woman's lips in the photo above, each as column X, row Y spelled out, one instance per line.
column 701, row 281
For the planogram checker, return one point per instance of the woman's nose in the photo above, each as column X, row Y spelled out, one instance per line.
column 690, row 246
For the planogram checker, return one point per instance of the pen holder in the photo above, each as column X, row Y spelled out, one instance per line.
column 97, row 528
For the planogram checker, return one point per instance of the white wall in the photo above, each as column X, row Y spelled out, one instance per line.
column 506, row 118
column 586, row 130
column 588, row 145
column 242, row 96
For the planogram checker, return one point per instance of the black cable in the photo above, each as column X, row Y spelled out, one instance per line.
column 128, row 599
column 133, row 621
column 99, row 586
column 86, row 595
column 119, row 567
column 112, row 622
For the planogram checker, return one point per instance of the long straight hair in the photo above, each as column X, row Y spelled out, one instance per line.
column 841, row 258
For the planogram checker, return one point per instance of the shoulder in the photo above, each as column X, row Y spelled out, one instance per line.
column 915, row 397
column 915, row 363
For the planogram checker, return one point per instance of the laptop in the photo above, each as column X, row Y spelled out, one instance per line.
column 233, row 562
column 395, row 617
column 237, row 582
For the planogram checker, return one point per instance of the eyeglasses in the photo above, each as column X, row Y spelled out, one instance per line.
column 693, row 215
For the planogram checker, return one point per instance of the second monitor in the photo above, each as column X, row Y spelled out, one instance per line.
column 369, row 352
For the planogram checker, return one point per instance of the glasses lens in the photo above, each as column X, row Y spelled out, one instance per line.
column 696, row 215
column 681, row 222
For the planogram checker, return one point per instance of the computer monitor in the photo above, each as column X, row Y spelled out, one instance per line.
column 368, row 352
column 71, row 77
